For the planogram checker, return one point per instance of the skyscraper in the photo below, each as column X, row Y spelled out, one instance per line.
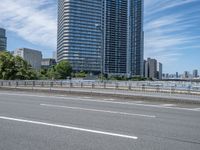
column 160, row 70
column 186, row 74
column 123, row 44
column 79, row 40
column 195, row 73
column 118, row 43
column 152, row 70
column 3, row 39
column 146, row 69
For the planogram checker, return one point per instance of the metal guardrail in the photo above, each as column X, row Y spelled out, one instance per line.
column 145, row 87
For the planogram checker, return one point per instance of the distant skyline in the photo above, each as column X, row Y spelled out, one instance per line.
column 172, row 33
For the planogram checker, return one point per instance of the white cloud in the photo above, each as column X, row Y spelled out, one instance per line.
column 166, row 31
column 169, row 30
column 33, row 20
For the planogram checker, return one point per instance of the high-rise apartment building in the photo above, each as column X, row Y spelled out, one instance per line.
column 146, row 69
column 177, row 75
column 3, row 39
column 195, row 73
column 123, row 42
column 153, row 69
column 79, row 40
column 159, row 70
column 118, row 42
column 186, row 74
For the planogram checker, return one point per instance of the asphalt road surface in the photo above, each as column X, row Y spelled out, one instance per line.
column 30, row 121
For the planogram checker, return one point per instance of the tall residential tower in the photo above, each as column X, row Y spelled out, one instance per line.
column 123, row 44
column 79, row 41
column 3, row 39
column 115, row 47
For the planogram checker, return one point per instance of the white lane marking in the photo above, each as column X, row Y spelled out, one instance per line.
column 87, row 97
column 137, row 102
column 109, row 99
column 98, row 110
column 70, row 127
column 196, row 109
column 101, row 101
column 167, row 105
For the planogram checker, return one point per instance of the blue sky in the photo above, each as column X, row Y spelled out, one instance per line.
column 172, row 29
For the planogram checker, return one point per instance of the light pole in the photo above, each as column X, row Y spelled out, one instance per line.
column 99, row 27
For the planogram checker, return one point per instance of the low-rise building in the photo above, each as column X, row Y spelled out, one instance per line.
column 33, row 57
column 47, row 63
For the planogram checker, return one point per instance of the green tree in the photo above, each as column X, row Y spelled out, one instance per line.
column 80, row 74
column 7, row 66
column 63, row 70
column 60, row 71
column 24, row 70
column 12, row 68
column 43, row 74
column 52, row 73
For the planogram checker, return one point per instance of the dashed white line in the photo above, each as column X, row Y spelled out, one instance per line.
column 87, row 97
column 109, row 99
column 167, row 105
column 69, row 127
column 196, row 109
column 98, row 110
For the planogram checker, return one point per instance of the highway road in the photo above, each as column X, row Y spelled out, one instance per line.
column 36, row 121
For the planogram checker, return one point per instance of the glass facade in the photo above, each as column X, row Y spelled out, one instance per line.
column 3, row 39
column 115, row 49
column 79, row 40
column 115, row 37
column 136, row 37
column 123, row 44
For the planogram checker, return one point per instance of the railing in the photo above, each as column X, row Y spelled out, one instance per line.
column 170, row 88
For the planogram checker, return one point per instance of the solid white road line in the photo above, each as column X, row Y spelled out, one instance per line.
column 69, row 127
column 98, row 110
column 101, row 101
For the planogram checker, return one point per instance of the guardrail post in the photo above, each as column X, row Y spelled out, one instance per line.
column 81, row 84
column 71, row 85
column 42, row 84
column 116, row 85
column 157, row 88
column 1, row 83
column 9, row 84
column 51, row 83
column 104, row 85
column 189, row 89
column 16, row 83
column 129, row 87
column 173, row 90
column 33, row 83
column 143, row 87
column 93, row 86
column 61, row 84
